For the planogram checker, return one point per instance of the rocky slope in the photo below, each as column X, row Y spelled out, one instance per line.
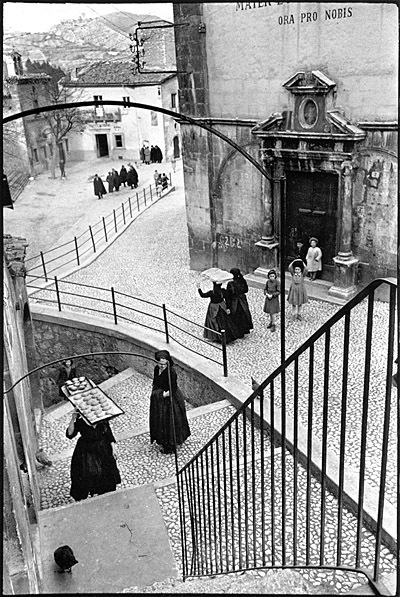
column 78, row 42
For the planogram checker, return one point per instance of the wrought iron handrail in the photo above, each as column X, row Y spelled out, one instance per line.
column 115, row 312
column 264, row 493
column 106, row 229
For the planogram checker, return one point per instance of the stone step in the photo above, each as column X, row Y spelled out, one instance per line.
column 317, row 290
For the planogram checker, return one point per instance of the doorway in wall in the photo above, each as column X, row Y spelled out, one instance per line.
column 102, row 145
column 312, row 211
column 177, row 152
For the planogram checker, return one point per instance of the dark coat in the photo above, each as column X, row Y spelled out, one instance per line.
column 236, row 301
column 93, row 466
column 164, row 181
column 123, row 174
column 99, row 188
column 159, row 155
column 116, row 180
column 272, row 305
column 217, row 318
column 142, row 154
column 153, row 154
column 161, row 427
column 110, row 180
column 132, row 178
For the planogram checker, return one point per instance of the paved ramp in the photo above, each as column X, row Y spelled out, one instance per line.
column 119, row 540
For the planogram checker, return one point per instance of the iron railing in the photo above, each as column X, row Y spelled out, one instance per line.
column 92, row 239
column 121, row 307
column 298, row 475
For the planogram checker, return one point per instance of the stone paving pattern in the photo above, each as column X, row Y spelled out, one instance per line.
column 155, row 267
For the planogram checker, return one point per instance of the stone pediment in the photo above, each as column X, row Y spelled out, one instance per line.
column 280, row 124
column 310, row 82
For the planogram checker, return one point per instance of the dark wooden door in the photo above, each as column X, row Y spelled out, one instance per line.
column 102, row 146
column 311, row 210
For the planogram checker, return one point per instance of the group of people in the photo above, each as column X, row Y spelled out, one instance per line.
column 94, row 469
column 161, row 181
column 228, row 309
column 151, row 155
column 115, row 180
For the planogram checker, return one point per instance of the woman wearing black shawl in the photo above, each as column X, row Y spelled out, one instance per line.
column 236, row 301
column 161, row 424
column 217, row 316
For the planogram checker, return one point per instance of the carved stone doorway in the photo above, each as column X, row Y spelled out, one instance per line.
column 312, row 199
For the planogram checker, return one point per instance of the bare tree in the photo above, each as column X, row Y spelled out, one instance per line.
column 60, row 122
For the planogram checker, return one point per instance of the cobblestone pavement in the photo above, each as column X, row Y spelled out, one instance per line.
column 141, row 463
column 150, row 260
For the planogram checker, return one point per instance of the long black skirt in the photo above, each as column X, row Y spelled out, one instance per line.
column 222, row 321
column 161, row 426
column 93, row 469
column 242, row 316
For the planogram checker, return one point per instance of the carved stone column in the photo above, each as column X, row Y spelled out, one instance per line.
column 345, row 263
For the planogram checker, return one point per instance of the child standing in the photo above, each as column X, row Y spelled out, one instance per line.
column 272, row 291
column 314, row 259
column 297, row 295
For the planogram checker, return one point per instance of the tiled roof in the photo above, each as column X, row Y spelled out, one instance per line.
column 117, row 74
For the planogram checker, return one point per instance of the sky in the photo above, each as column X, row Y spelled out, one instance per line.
column 40, row 16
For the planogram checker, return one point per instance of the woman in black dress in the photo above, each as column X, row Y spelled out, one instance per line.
column 236, row 301
column 217, row 316
column 161, row 425
column 67, row 372
column 93, row 466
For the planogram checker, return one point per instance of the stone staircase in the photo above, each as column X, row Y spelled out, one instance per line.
column 144, row 468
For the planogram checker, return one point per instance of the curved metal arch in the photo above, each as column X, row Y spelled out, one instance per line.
column 128, row 104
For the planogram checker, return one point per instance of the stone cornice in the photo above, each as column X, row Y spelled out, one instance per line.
column 390, row 125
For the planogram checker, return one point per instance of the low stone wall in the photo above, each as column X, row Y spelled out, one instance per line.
column 60, row 335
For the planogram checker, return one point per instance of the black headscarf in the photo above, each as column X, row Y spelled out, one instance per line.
column 163, row 354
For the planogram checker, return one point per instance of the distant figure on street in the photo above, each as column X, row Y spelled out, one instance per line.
column 156, row 176
column 236, row 301
column 164, row 181
column 272, row 291
column 116, row 180
column 123, row 176
column 153, row 154
column 132, row 178
column 158, row 154
column 147, row 155
column 314, row 259
column 110, row 180
column 142, row 154
column 99, row 188
column 173, row 164
column 297, row 294
column 162, row 406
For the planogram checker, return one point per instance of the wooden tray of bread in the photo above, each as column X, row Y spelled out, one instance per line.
column 90, row 400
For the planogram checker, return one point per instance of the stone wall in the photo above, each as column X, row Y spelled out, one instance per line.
column 59, row 336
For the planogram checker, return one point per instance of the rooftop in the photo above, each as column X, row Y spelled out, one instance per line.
column 116, row 74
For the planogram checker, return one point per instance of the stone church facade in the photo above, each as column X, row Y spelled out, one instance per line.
column 309, row 90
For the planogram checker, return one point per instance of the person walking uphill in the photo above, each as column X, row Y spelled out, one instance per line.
column 217, row 316
column 272, row 291
column 99, row 188
column 93, row 465
column 110, row 180
column 123, row 175
column 132, row 178
column 163, row 406
column 297, row 294
column 236, row 301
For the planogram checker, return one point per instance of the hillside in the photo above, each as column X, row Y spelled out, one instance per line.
column 78, row 42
